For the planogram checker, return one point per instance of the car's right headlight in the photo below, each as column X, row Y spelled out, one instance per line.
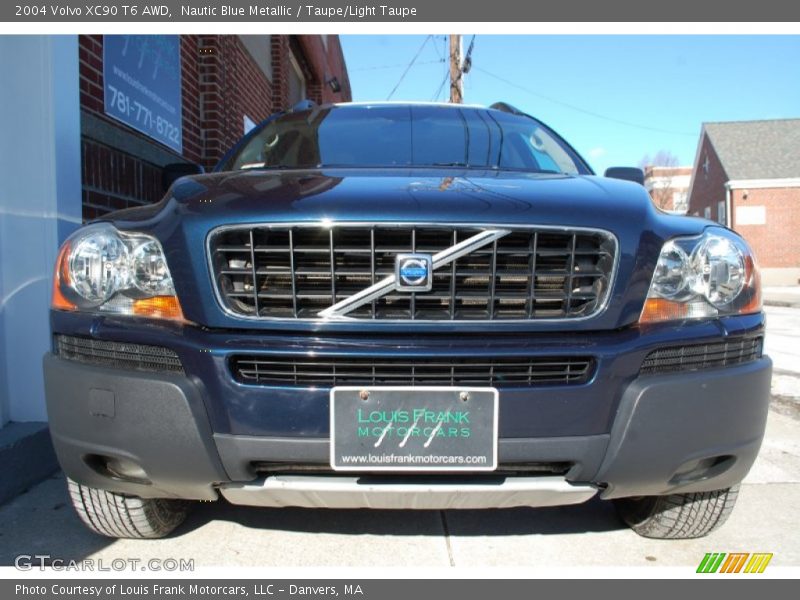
column 710, row 275
column 101, row 269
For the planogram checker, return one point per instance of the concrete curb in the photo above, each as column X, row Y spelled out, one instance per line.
column 27, row 457
column 781, row 303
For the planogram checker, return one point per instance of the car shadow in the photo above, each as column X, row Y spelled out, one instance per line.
column 42, row 522
column 592, row 516
column 39, row 527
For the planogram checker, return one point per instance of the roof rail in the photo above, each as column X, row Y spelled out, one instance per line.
column 506, row 107
column 302, row 105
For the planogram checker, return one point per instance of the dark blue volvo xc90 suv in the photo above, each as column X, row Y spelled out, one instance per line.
column 406, row 306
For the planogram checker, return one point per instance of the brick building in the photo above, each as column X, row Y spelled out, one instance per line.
column 669, row 187
column 226, row 85
column 747, row 176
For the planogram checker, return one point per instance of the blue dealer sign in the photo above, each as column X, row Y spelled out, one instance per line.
column 142, row 81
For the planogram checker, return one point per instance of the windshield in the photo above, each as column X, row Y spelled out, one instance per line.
column 405, row 136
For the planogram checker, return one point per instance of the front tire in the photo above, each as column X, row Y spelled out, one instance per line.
column 678, row 516
column 120, row 516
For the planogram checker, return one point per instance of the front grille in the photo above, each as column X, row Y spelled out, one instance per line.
column 503, row 469
column 500, row 372
column 294, row 272
column 121, row 355
column 702, row 356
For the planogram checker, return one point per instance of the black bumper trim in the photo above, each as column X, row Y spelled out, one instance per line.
column 160, row 422
column 665, row 423
column 157, row 420
column 238, row 453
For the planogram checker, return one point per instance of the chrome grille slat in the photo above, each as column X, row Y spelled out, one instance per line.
column 453, row 275
column 413, row 300
column 293, row 271
column 571, row 274
column 525, row 273
column 372, row 266
column 254, row 269
column 329, row 371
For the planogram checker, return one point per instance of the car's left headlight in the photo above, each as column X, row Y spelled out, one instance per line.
column 101, row 269
column 710, row 275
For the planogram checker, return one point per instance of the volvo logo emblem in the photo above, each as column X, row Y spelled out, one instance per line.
column 414, row 272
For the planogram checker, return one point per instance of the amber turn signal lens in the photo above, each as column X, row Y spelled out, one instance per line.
column 61, row 277
column 659, row 309
column 752, row 276
column 163, row 307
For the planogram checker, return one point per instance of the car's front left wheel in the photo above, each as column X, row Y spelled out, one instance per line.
column 122, row 516
column 678, row 516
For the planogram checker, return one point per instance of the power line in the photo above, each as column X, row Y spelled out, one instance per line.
column 441, row 87
column 397, row 66
column 439, row 54
column 445, row 41
column 579, row 109
column 408, row 68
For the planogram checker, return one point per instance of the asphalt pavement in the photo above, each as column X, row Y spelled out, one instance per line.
column 41, row 521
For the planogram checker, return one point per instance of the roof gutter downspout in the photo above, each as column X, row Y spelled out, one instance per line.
column 728, row 219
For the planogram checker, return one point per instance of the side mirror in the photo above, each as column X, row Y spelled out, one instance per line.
column 175, row 171
column 633, row 174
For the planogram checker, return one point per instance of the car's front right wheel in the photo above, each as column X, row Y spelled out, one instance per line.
column 678, row 516
column 122, row 516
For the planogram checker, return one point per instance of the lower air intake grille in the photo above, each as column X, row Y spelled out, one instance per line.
column 702, row 356
column 501, row 372
column 120, row 355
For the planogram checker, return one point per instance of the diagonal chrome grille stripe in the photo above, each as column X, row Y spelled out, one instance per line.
column 386, row 285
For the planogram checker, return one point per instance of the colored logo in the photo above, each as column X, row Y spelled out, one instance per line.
column 413, row 272
column 734, row 562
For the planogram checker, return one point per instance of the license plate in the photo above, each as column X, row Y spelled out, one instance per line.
column 413, row 428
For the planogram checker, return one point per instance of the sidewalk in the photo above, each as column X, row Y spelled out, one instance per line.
column 788, row 296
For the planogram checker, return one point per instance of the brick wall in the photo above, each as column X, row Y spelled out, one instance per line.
column 707, row 188
column 193, row 126
column 113, row 180
column 325, row 61
column 280, row 70
column 221, row 83
column 225, row 64
column 776, row 242
column 90, row 55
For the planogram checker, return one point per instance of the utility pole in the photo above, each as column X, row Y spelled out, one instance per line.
column 456, row 82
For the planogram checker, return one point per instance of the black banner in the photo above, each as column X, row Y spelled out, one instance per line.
column 371, row 589
column 441, row 11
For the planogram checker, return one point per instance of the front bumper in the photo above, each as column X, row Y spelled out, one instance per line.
column 680, row 432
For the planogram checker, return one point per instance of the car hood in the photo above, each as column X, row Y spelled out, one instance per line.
column 196, row 206
column 423, row 195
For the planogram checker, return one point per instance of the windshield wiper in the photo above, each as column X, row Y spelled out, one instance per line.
column 263, row 167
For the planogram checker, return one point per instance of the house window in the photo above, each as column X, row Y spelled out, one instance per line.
column 721, row 212
column 680, row 202
column 297, row 83
column 260, row 48
column 707, row 212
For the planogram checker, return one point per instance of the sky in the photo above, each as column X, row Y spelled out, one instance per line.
column 615, row 98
